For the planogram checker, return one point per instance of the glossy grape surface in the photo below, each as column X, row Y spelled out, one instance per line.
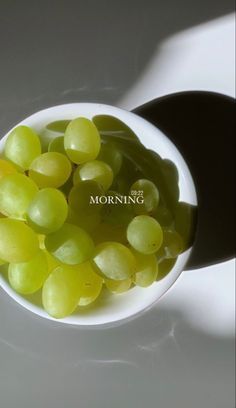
column 22, row 146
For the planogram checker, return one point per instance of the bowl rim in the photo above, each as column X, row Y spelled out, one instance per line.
column 165, row 148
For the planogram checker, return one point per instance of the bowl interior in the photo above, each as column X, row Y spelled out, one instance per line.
column 110, row 309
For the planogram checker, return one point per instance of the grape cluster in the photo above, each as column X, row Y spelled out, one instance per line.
column 58, row 234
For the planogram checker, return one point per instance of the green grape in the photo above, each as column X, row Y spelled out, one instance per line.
column 28, row 277
column 18, row 242
column 147, row 196
column 84, row 197
column 2, row 262
column 90, row 284
column 52, row 131
column 94, row 170
column 147, row 269
column 118, row 286
column 51, row 261
column 82, row 141
column 172, row 244
column 57, row 145
column 111, row 155
column 185, row 222
column 22, row 146
column 6, row 168
column 144, row 234
column 114, row 260
column 163, row 216
column 47, row 211
column 60, row 294
column 89, row 222
column 16, row 193
column 164, row 267
column 70, row 244
column 59, row 126
column 107, row 232
column 115, row 211
column 51, row 169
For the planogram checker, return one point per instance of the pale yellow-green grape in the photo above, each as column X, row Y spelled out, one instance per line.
column 163, row 216
column 84, row 197
column 110, row 154
column 57, row 145
column 18, row 242
column 22, row 146
column 28, row 277
column 118, row 286
column 89, row 222
column 58, row 126
column 116, row 211
column 51, row 169
column 114, row 261
column 164, row 267
column 96, row 170
column 107, row 232
column 60, row 294
column 16, row 193
column 2, row 262
column 145, row 234
column 146, row 196
column 47, row 211
column 147, row 269
column 52, row 262
column 90, row 283
column 6, row 168
column 172, row 244
column 70, row 244
column 82, row 140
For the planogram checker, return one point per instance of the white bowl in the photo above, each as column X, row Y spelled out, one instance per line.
column 119, row 307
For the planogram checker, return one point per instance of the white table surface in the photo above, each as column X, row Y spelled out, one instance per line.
column 180, row 353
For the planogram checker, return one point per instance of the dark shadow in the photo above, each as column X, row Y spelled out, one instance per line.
column 53, row 52
column 202, row 125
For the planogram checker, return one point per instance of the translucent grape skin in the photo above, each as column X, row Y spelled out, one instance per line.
column 6, row 168
column 51, row 169
column 145, row 234
column 172, row 244
column 118, row 213
column 150, row 195
column 18, row 242
column 70, row 244
column 22, row 146
column 90, row 284
column 80, row 197
column 164, row 267
column 16, row 193
column 47, row 211
column 60, row 294
column 57, row 145
column 96, row 170
column 114, row 261
column 107, row 232
column 28, row 277
column 89, row 222
column 82, row 140
column 112, row 156
column 147, row 269
column 119, row 286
